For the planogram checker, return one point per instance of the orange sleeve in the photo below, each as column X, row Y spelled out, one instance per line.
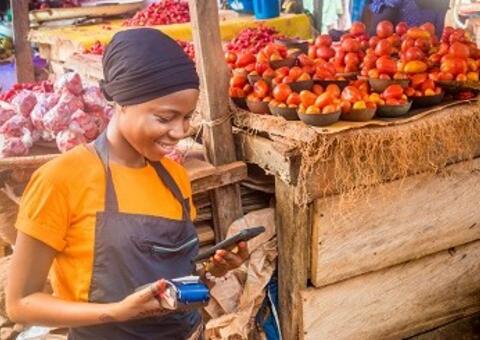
column 44, row 213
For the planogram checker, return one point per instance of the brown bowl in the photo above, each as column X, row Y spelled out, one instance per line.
column 258, row 107
column 302, row 45
column 288, row 62
column 348, row 75
column 324, row 83
column 299, row 86
column 391, row 111
column 286, row 112
column 426, row 101
column 320, row 119
column 240, row 102
column 253, row 78
column 379, row 85
column 359, row 115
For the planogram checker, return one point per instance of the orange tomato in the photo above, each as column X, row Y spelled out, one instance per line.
column 294, row 99
column 281, row 92
column 307, row 98
column 295, row 72
column 428, row 84
column 238, row 81
column 393, row 91
column 345, row 106
column 312, row 110
column 323, row 100
column 317, row 89
column 330, row 109
column 351, row 94
column 334, row 90
column 415, row 66
column 261, row 88
column 418, row 79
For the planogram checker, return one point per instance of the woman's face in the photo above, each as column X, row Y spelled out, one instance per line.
column 155, row 127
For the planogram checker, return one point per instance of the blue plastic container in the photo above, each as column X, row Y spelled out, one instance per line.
column 244, row 6
column 266, row 9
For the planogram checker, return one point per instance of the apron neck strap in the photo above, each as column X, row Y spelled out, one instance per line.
column 101, row 146
column 111, row 201
column 173, row 187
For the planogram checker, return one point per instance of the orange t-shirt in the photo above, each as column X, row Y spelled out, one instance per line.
column 59, row 205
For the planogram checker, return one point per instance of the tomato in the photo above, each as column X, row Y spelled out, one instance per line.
column 352, row 59
column 323, row 40
column 253, row 98
column 385, row 77
column 305, row 60
column 415, row 66
column 423, row 44
column 345, row 106
column 373, row 74
column 414, row 53
column 269, row 73
column 418, row 79
column 236, row 92
column 334, row 90
column 295, row 72
column 288, row 80
column 250, row 67
column 243, row 59
column 383, row 48
column 358, row 28
column 459, row 50
column 307, row 98
column 325, row 52
column 418, row 33
column 281, row 92
column 393, row 101
column 293, row 99
column 350, row 45
column 330, row 109
column 473, row 76
column 323, row 100
column 230, row 57
column 454, row 66
column 261, row 67
column 312, row 110
column 386, row 65
column 261, row 88
column 312, row 51
column 429, row 27
column 283, row 71
column 317, row 89
column 410, row 91
column 351, row 94
column 238, row 81
column 384, row 29
column 393, row 91
column 373, row 41
column 428, row 84
column 401, row 28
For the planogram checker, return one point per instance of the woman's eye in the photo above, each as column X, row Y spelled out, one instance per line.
column 163, row 119
column 188, row 117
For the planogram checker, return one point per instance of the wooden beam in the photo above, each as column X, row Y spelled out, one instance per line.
column 396, row 222
column 274, row 157
column 293, row 234
column 23, row 50
column 224, row 175
column 397, row 302
column 217, row 137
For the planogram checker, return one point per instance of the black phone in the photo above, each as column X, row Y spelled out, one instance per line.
column 231, row 242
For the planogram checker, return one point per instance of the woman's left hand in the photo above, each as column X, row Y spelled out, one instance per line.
column 223, row 261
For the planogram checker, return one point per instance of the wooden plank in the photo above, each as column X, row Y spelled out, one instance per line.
column 198, row 169
column 23, row 50
column 399, row 301
column 274, row 157
column 223, row 176
column 205, row 233
column 87, row 65
column 293, row 234
column 217, row 136
column 396, row 222
column 465, row 328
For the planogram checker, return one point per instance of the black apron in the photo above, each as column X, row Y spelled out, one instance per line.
column 132, row 250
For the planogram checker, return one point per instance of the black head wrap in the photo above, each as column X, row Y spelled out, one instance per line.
column 143, row 64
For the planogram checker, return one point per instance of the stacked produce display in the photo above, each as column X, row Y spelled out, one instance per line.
column 66, row 113
column 356, row 78
column 164, row 12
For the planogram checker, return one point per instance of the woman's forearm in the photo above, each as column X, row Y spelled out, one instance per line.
column 47, row 310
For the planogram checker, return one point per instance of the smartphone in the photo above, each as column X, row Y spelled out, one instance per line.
column 231, row 242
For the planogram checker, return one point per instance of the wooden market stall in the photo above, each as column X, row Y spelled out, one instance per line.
column 377, row 221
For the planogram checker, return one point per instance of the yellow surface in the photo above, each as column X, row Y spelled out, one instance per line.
column 293, row 25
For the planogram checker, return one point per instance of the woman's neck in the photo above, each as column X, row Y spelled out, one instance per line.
column 121, row 152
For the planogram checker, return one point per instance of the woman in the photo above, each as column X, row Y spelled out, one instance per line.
column 116, row 215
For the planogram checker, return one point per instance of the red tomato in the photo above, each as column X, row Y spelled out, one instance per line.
column 238, row 81
column 418, row 79
column 245, row 59
column 230, row 57
column 345, row 106
column 429, row 27
column 323, row 100
column 373, row 41
column 401, row 28
column 369, row 61
column 334, row 90
column 407, row 43
column 307, row 98
column 295, row 72
column 325, row 52
column 394, row 91
column 428, row 84
column 293, row 99
column 459, row 50
column 350, row 45
column 351, row 94
column 414, row 53
column 323, row 40
column 384, row 29
column 383, row 48
column 423, row 44
column 358, row 28
column 317, row 89
column 281, row 92
column 352, row 59
column 386, row 65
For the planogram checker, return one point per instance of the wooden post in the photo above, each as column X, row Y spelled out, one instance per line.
column 217, row 136
column 317, row 14
column 293, row 235
column 23, row 50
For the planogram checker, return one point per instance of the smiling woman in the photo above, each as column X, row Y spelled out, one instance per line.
column 99, row 213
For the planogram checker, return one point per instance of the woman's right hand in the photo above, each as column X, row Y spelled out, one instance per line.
column 142, row 304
